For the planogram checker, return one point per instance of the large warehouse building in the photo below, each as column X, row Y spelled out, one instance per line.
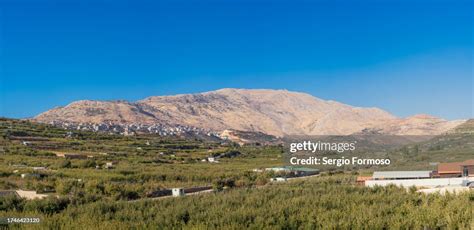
column 456, row 169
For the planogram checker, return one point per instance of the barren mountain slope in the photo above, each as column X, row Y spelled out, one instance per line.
column 418, row 125
column 275, row 112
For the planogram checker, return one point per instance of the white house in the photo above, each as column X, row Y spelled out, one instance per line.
column 212, row 160
column 177, row 192
column 109, row 165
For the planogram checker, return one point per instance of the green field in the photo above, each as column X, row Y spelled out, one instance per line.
column 328, row 202
column 87, row 195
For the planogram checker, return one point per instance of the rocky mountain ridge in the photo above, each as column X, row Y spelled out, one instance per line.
column 273, row 112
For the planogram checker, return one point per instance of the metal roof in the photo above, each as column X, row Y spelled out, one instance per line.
column 453, row 167
column 401, row 174
column 305, row 169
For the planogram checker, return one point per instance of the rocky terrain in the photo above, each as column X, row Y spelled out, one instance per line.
column 273, row 112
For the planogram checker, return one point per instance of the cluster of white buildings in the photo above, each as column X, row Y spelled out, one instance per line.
column 132, row 129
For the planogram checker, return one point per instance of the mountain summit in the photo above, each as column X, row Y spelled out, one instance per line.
column 275, row 112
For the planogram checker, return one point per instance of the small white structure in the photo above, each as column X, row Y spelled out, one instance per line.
column 109, row 165
column 26, row 143
column 30, row 175
column 19, row 166
column 278, row 169
column 393, row 175
column 278, row 179
column 30, row 195
column 39, row 168
column 212, row 160
column 177, row 192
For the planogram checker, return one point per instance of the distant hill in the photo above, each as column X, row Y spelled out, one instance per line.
column 272, row 112
column 455, row 145
column 466, row 127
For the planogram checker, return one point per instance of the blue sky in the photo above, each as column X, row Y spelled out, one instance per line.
column 406, row 57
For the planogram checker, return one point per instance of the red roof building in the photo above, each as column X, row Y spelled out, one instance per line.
column 456, row 169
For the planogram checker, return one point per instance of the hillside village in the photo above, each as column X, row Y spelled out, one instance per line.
column 135, row 129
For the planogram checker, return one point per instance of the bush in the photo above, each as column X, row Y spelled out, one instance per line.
column 88, row 164
column 65, row 164
column 11, row 203
column 48, row 205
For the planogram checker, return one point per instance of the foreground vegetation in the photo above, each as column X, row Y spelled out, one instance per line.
column 328, row 202
column 85, row 194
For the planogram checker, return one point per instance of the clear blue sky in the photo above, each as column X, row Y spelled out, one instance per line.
column 406, row 57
